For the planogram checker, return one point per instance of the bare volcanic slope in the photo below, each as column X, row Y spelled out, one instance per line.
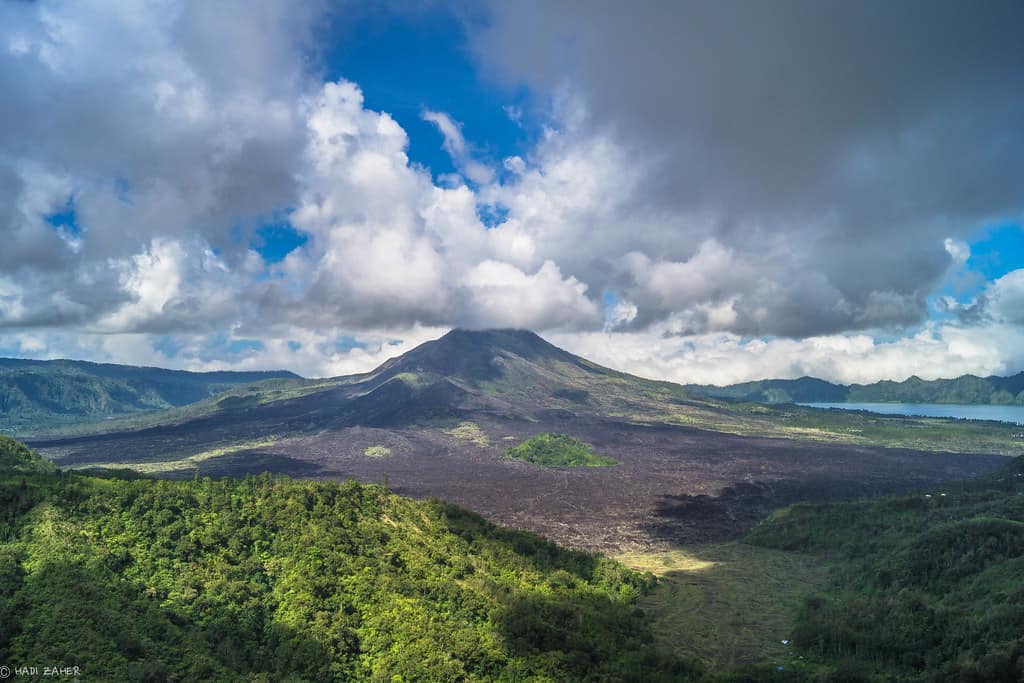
column 504, row 374
column 438, row 420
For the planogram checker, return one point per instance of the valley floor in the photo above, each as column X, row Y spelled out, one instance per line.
column 674, row 485
column 728, row 604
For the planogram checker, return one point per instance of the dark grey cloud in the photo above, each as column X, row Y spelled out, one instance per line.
column 861, row 133
column 716, row 170
column 162, row 119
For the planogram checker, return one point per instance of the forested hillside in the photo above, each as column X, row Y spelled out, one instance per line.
column 36, row 394
column 925, row 587
column 966, row 389
column 269, row 579
column 803, row 390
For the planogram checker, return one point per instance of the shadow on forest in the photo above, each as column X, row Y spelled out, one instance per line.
column 689, row 519
column 544, row 555
column 80, row 614
column 591, row 636
column 577, row 628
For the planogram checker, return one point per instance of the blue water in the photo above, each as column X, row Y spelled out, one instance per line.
column 1012, row 414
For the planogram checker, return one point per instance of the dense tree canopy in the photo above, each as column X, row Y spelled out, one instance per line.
column 558, row 450
column 926, row 587
column 271, row 579
column 268, row 579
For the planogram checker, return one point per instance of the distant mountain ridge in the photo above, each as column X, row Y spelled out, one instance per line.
column 966, row 389
column 485, row 377
column 54, row 391
column 510, row 374
column 500, row 371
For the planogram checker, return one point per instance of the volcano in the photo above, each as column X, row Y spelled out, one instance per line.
column 437, row 422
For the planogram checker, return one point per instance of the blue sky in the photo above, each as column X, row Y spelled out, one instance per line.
column 706, row 196
column 995, row 251
column 64, row 218
column 408, row 63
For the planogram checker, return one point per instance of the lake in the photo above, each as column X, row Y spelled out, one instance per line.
column 1012, row 414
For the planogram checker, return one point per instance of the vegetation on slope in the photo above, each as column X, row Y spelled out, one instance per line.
column 469, row 431
column 189, row 462
column 729, row 604
column 966, row 389
column 517, row 375
column 850, row 427
column 40, row 394
column 235, row 400
column 558, row 450
column 18, row 458
column 271, row 579
column 803, row 390
column 963, row 389
column 924, row 587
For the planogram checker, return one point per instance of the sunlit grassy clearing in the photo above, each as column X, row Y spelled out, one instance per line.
column 728, row 604
column 181, row 464
column 469, row 431
column 377, row 451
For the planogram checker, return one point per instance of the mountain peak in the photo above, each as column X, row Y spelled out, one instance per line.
column 498, row 337
column 471, row 354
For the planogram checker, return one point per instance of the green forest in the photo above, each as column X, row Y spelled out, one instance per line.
column 924, row 587
column 268, row 579
column 558, row 450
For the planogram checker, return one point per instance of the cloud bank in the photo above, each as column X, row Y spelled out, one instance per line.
column 716, row 195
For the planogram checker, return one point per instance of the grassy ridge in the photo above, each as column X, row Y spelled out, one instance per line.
column 184, row 463
column 234, row 399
